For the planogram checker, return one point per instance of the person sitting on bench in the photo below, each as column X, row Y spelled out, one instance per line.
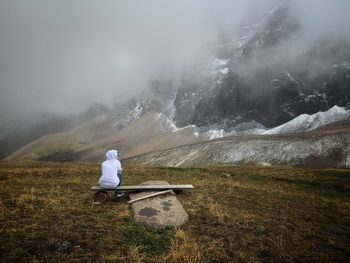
column 111, row 172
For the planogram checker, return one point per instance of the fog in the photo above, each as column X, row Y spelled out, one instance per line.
column 61, row 56
column 322, row 28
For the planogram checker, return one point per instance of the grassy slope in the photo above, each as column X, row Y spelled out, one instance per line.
column 237, row 213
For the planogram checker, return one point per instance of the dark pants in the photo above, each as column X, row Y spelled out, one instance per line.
column 120, row 176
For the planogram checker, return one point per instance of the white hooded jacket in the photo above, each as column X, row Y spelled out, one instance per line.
column 110, row 169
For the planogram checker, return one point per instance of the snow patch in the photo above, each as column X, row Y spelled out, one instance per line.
column 224, row 71
column 216, row 132
column 292, row 78
column 217, row 63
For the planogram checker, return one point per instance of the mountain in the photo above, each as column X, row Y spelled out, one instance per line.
column 136, row 133
column 252, row 81
column 302, row 123
column 253, row 85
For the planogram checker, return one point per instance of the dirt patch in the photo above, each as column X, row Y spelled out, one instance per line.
column 148, row 212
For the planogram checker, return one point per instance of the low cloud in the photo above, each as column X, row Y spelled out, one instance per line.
column 61, row 56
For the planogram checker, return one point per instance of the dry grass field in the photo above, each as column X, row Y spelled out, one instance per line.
column 237, row 214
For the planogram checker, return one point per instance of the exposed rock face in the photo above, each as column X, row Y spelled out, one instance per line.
column 159, row 211
column 251, row 80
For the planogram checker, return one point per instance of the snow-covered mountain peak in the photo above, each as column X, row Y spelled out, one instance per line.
column 306, row 122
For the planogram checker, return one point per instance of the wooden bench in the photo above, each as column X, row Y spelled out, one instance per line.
column 143, row 188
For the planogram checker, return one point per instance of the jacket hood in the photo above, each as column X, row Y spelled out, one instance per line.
column 112, row 155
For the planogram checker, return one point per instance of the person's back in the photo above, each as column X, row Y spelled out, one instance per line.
column 110, row 168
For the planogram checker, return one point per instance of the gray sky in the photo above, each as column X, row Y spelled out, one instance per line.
column 62, row 55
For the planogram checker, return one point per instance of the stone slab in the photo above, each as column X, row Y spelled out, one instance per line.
column 159, row 211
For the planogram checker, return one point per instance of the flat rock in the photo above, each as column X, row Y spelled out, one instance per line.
column 158, row 211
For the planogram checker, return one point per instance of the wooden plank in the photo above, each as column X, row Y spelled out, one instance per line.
column 126, row 188
column 148, row 196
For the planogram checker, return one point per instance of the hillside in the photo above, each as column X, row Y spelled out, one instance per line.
column 292, row 143
column 236, row 214
column 324, row 149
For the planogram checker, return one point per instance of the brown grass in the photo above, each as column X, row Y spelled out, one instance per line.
column 237, row 214
column 184, row 248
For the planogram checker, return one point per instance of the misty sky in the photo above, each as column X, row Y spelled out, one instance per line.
column 60, row 56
